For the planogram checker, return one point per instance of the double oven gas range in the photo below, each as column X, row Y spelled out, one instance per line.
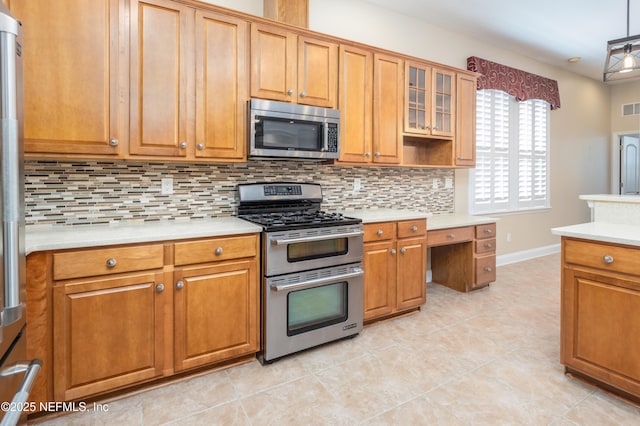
column 311, row 267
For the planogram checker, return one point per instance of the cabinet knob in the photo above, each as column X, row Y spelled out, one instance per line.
column 607, row 259
column 160, row 288
column 111, row 262
column 451, row 236
column 290, row 92
column 183, row 145
column 303, row 94
column 488, row 269
column 393, row 251
column 113, row 142
column 179, row 285
column 488, row 231
column 219, row 251
column 200, row 146
column 403, row 250
column 414, row 228
column 377, row 154
column 367, row 154
column 379, row 233
column 488, row 245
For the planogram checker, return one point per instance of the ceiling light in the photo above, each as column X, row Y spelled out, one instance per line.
column 623, row 56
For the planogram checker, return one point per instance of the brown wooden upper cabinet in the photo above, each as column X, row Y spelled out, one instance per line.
column 293, row 68
column 75, row 82
column 429, row 101
column 465, row 121
column 165, row 78
column 356, row 104
column 387, row 109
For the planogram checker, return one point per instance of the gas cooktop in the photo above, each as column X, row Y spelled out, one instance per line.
column 285, row 205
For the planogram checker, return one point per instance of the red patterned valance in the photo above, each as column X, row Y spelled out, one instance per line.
column 518, row 83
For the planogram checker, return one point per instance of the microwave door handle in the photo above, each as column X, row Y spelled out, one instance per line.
column 319, row 281
column 277, row 242
column 325, row 137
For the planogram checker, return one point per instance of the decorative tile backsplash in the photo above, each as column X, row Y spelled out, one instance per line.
column 90, row 192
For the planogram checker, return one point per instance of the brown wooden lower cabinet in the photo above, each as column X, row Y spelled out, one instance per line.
column 600, row 324
column 395, row 260
column 107, row 326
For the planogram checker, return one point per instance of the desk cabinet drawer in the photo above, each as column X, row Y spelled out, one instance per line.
column 87, row 263
column 215, row 249
column 485, row 246
column 485, row 270
column 379, row 231
column 450, row 236
column 486, row 231
column 412, row 228
column 602, row 256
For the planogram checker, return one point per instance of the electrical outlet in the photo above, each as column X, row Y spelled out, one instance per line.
column 435, row 183
column 167, row 186
column 508, row 237
column 448, row 183
column 356, row 185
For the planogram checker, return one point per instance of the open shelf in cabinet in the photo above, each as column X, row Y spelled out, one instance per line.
column 427, row 152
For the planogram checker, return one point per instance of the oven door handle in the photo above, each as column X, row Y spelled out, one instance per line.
column 319, row 281
column 277, row 242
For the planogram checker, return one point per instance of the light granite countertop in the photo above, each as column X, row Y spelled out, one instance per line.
column 456, row 221
column 42, row 237
column 602, row 231
column 612, row 198
column 385, row 215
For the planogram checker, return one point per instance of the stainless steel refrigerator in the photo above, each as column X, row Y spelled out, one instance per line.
column 16, row 372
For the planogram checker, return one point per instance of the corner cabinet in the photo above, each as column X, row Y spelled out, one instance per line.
column 395, row 256
column 75, row 76
column 288, row 67
column 600, row 302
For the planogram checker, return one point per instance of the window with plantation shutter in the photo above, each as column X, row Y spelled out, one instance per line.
column 512, row 154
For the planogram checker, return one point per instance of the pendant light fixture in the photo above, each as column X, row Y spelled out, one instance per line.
column 623, row 57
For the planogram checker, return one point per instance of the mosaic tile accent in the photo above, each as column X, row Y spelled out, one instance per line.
column 92, row 192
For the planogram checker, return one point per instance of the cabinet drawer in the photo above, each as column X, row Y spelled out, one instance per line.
column 486, row 231
column 412, row 228
column 87, row 263
column 215, row 249
column 602, row 256
column 379, row 231
column 485, row 246
column 450, row 236
column 485, row 270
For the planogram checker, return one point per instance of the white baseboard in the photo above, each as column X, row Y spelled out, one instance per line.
column 523, row 255
column 519, row 256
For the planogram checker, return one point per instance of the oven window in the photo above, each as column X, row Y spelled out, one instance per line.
column 316, row 307
column 282, row 133
column 297, row 252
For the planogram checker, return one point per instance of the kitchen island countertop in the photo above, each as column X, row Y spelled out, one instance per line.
column 47, row 237
column 602, row 231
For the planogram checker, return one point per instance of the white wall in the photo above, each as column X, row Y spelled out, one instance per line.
column 580, row 129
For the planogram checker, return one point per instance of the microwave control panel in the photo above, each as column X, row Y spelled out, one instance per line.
column 332, row 137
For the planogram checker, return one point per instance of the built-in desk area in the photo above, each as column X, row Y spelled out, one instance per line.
column 463, row 251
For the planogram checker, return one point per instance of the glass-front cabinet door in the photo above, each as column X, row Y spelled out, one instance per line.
column 443, row 107
column 417, row 97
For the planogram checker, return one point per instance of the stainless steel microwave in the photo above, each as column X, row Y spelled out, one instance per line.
column 280, row 129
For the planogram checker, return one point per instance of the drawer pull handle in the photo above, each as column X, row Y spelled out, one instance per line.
column 160, row 288
column 488, row 245
column 488, row 269
column 451, row 236
column 607, row 259
column 488, row 231
column 393, row 251
column 111, row 262
column 179, row 285
column 379, row 233
column 183, row 145
column 403, row 250
column 219, row 251
column 414, row 228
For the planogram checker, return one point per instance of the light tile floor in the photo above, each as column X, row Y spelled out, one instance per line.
column 484, row 358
